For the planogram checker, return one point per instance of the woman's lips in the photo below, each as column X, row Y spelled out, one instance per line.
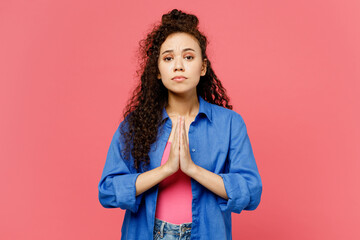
column 179, row 79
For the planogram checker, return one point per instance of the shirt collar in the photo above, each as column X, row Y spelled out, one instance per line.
column 204, row 108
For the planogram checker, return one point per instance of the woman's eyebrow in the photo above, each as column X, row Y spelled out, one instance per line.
column 185, row 49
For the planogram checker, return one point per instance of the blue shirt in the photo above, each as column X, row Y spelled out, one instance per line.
column 218, row 142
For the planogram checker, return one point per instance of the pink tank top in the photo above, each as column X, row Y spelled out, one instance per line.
column 174, row 197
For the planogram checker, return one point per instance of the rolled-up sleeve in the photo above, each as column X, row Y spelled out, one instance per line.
column 242, row 182
column 117, row 184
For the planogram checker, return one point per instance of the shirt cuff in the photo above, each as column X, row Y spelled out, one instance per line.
column 238, row 193
column 125, row 191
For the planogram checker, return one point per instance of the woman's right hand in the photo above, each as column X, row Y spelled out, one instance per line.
column 172, row 165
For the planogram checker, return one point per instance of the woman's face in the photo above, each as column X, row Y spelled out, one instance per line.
column 180, row 55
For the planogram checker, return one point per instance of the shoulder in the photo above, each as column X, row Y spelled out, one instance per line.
column 124, row 124
column 122, row 128
column 220, row 113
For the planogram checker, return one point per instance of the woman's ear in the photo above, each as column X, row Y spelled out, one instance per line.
column 159, row 76
column 204, row 67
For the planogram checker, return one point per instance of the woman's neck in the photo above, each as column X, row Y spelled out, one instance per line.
column 182, row 105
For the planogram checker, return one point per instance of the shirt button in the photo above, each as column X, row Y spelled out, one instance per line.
column 193, row 150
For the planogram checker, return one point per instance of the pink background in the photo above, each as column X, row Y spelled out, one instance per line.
column 291, row 68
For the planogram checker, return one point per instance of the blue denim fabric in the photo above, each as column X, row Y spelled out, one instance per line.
column 218, row 142
column 167, row 231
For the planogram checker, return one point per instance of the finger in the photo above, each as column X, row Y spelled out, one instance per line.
column 176, row 137
column 181, row 128
column 184, row 132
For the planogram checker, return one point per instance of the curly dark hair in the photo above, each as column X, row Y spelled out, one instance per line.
column 143, row 112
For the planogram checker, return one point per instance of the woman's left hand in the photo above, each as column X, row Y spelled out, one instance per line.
column 186, row 163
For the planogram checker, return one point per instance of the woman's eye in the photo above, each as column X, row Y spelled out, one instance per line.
column 166, row 59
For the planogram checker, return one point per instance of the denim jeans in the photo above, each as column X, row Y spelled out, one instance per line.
column 168, row 231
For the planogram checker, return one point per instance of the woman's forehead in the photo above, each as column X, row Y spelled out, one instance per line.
column 178, row 42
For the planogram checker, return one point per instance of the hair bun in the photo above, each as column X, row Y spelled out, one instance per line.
column 179, row 17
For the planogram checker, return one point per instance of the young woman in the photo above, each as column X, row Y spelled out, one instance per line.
column 181, row 160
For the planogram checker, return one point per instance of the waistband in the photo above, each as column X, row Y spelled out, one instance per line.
column 163, row 226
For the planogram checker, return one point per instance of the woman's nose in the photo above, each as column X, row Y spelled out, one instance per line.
column 178, row 65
